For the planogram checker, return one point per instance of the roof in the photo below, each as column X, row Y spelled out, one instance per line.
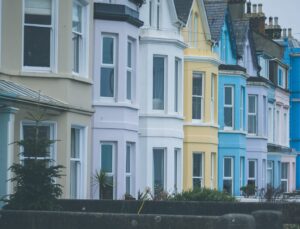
column 183, row 8
column 216, row 13
column 15, row 91
column 240, row 30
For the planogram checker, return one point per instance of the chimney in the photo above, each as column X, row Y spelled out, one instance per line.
column 270, row 22
column 248, row 7
column 260, row 8
column 284, row 33
column 254, row 8
column 290, row 33
column 237, row 8
column 275, row 21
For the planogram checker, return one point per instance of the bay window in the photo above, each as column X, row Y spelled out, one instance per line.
column 285, row 176
column 130, row 158
column 229, row 107
column 197, row 96
column 108, row 66
column 252, row 114
column 177, row 170
column 270, row 173
column 242, row 109
column 177, row 80
column 129, row 70
column 252, row 172
column 212, row 98
column 38, row 43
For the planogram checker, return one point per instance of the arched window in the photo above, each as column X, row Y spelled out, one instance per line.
column 195, row 30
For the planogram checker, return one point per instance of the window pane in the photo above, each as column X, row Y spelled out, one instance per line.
column 128, row 93
column 158, row 162
column 197, row 165
column 129, row 54
column 106, row 158
column 77, row 18
column 176, row 85
column 251, row 169
column 227, row 186
column 128, row 159
column 197, row 183
column 76, row 51
column 37, row 46
column 228, row 95
column 197, row 84
column 284, row 170
column 252, row 124
column 158, row 83
column 75, row 143
column 227, row 167
column 108, row 50
column 197, row 108
column 38, row 12
column 252, row 104
column 128, row 185
column 228, row 116
column 107, row 82
column 74, row 175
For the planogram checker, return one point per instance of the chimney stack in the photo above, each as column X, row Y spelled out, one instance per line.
column 260, row 8
column 275, row 21
column 254, row 8
column 284, row 33
column 270, row 22
column 248, row 7
column 290, row 33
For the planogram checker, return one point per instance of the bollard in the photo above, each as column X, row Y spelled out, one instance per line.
column 268, row 219
column 236, row 221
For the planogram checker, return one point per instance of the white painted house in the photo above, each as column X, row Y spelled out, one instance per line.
column 161, row 98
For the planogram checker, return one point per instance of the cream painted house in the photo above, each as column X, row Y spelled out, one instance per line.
column 44, row 60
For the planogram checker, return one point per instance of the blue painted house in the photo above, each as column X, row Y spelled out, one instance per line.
column 232, row 94
column 292, row 58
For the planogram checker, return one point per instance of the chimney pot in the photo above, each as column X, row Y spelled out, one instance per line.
column 254, row 8
column 270, row 21
column 260, row 8
column 276, row 21
column 290, row 33
column 284, row 33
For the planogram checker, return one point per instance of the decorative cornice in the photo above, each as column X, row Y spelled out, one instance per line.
column 203, row 59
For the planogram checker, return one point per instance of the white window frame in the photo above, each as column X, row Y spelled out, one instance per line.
column 242, row 171
column 165, row 167
column 255, row 171
column 253, row 113
column 82, row 62
column 131, row 173
column 242, row 109
column 129, row 69
column 230, row 178
column 202, row 76
column 229, row 106
column 286, row 180
column 270, row 168
column 80, row 159
column 114, row 157
column 177, row 170
column 213, row 169
column 264, row 64
column 111, row 66
column 265, row 116
column 212, row 98
column 277, row 126
column 53, row 134
column 53, row 40
column 177, row 80
column 165, row 82
column 201, row 178
column 270, row 124
column 283, row 77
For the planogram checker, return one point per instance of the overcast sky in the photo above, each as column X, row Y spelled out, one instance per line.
column 288, row 12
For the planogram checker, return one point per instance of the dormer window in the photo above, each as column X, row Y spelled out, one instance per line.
column 281, row 77
column 264, row 64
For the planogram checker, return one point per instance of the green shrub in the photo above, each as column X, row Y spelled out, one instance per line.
column 203, row 194
column 248, row 190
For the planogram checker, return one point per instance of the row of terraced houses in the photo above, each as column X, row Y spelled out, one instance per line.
column 165, row 94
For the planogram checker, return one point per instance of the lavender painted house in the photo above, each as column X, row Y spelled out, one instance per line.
column 115, row 100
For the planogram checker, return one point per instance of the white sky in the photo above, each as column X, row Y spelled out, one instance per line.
column 288, row 12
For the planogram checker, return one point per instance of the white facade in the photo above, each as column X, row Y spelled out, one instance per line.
column 115, row 100
column 161, row 110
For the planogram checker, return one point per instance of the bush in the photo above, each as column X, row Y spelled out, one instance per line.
column 248, row 190
column 203, row 194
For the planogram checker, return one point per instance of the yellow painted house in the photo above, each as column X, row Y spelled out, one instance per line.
column 200, row 99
